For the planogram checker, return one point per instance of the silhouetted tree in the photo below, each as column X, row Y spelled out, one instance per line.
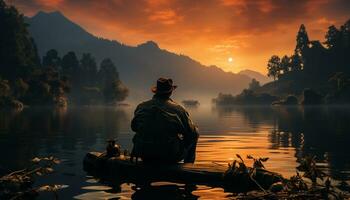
column 333, row 37
column 18, row 55
column 296, row 63
column 70, row 64
column 20, row 88
column 89, row 69
column 302, row 40
column 113, row 89
column 285, row 64
column 51, row 59
column 254, row 84
column 345, row 34
column 5, row 90
column 273, row 67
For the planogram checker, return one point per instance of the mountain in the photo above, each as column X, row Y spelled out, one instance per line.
column 257, row 75
column 139, row 66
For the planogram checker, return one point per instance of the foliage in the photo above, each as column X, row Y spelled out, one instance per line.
column 294, row 188
column 113, row 88
column 274, row 67
column 19, row 184
column 312, row 172
column 51, row 59
column 18, row 54
column 25, row 80
column 254, row 84
column 314, row 66
column 246, row 97
column 258, row 162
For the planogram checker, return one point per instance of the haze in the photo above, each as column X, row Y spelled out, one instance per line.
column 210, row 31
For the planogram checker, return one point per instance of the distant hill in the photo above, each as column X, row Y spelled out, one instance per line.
column 139, row 66
column 257, row 75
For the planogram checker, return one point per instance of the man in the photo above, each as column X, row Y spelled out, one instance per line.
column 164, row 130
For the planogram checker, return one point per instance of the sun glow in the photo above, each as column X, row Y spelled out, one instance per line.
column 230, row 59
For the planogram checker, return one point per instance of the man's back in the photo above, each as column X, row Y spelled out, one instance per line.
column 163, row 129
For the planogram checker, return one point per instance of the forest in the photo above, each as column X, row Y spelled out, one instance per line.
column 316, row 73
column 27, row 79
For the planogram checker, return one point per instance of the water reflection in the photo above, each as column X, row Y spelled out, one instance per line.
column 285, row 134
column 45, row 130
column 320, row 131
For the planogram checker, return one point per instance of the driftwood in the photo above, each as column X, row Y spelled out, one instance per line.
column 122, row 170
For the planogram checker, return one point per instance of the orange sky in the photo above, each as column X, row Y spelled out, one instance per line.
column 210, row 31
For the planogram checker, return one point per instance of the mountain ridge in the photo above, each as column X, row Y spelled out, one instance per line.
column 256, row 75
column 139, row 66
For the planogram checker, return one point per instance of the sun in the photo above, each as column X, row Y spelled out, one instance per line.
column 230, row 59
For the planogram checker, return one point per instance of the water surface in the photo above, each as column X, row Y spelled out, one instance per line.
column 283, row 134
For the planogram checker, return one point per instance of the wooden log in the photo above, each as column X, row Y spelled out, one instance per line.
column 122, row 170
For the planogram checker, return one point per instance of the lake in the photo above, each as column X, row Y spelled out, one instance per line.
column 284, row 134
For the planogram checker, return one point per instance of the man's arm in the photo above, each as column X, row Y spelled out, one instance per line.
column 135, row 122
column 191, row 130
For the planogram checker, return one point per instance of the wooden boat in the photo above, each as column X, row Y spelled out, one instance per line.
column 122, row 170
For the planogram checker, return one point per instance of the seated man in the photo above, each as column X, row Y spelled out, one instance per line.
column 164, row 131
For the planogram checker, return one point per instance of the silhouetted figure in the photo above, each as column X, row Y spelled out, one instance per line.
column 164, row 130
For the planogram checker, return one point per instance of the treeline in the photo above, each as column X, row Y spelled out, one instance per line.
column 24, row 77
column 89, row 84
column 321, row 66
column 247, row 96
column 316, row 73
column 313, row 58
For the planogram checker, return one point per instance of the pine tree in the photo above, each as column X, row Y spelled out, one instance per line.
column 333, row 37
column 302, row 41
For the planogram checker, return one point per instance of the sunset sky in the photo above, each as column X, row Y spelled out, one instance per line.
column 210, row 31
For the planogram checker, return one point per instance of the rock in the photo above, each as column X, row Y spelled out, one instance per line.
column 276, row 187
column 291, row 100
column 310, row 97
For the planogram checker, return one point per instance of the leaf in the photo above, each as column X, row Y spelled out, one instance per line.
column 43, row 188
column 239, row 156
column 36, row 160
column 39, row 173
column 264, row 159
column 49, row 170
column 56, row 161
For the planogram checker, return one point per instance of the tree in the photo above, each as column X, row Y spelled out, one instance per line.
column 273, row 67
column 286, row 64
column 113, row 89
column 5, row 89
column 51, row 59
column 70, row 64
column 18, row 54
column 296, row 63
column 20, row 88
column 254, row 84
column 345, row 34
column 302, row 41
column 333, row 37
column 89, row 69
column 108, row 70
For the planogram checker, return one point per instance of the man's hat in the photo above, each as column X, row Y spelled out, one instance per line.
column 164, row 86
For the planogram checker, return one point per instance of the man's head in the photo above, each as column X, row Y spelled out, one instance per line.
column 164, row 87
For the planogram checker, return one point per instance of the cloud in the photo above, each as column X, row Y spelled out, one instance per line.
column 166, row 17
column 252, row 30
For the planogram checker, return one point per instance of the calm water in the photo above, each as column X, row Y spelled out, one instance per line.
column 282, row 134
